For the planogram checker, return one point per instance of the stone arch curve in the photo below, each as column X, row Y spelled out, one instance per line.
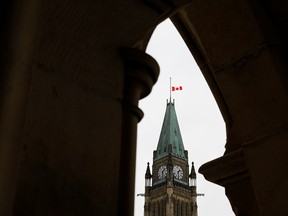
column 69, row 100
column 231, row 59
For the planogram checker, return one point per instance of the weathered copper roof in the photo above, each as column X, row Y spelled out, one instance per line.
column 192, row 173
column 148, row 172
column 170, row 134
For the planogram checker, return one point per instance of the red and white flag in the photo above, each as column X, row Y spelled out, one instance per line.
column 176, row 88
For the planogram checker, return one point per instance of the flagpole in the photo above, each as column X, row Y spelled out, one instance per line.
column 170, row 90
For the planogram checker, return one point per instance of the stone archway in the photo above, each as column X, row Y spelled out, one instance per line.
column 63, row 110
column 240, row 48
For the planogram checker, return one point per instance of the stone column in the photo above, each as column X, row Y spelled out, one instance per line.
column 140, row 74
column 18, row 18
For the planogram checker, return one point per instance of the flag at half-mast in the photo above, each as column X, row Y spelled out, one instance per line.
column 176, row 88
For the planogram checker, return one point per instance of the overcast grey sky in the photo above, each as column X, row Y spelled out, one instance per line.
column 201, row 124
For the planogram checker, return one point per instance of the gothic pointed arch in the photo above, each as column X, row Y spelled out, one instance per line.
column 67, row 100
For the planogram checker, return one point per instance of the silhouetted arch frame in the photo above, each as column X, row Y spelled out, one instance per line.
column 178, row 14
column 184, row 26
column 240, row 48
column 261, row 121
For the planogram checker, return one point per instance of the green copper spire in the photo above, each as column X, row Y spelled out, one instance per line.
column 170, row 134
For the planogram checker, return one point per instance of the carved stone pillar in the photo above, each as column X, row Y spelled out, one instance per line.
column 141, row 73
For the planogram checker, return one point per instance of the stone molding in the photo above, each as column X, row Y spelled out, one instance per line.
column 226, row 170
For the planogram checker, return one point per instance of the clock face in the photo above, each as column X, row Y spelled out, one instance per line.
column 178, row 172
column 162, row 172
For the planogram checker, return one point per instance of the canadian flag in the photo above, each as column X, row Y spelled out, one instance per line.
column 176, row 88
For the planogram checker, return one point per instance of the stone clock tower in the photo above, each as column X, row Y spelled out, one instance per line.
column 170, row 190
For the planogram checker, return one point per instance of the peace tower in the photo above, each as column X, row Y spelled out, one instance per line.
column 170, row 190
